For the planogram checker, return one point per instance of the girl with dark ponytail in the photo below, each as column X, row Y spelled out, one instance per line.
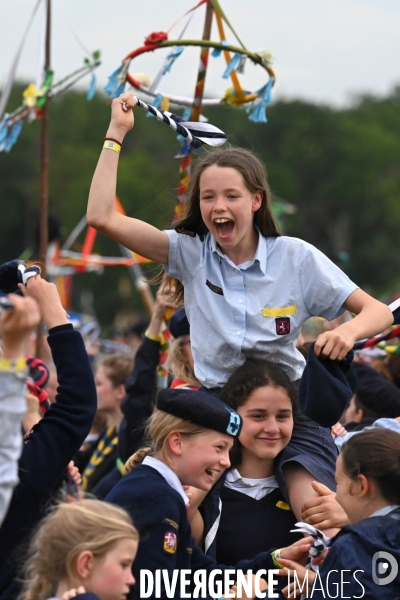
column 366, row 552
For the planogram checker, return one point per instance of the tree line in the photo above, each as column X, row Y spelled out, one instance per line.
column 340, row 168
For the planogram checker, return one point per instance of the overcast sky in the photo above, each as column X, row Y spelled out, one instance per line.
column 325, row 50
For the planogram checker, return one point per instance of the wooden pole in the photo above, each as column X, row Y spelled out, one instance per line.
column 186, row 162
column 44, row 174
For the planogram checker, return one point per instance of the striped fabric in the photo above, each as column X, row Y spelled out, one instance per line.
column 195, row 133
column 106, row 445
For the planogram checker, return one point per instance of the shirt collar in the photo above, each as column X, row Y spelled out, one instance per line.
column 260, row 256
column 386, row 510
column 255, row 488
column 170, row 477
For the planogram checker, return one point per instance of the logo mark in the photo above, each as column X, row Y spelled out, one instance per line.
column 282, row 325
column 382, row 568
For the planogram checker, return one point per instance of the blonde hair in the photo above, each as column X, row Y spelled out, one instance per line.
column 177, row 363
column 159, row 428
column 68, row 530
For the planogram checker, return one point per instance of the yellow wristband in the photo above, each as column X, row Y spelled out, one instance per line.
column 112, row 146
column 12, row 365
column 276, row 554
column 150, row 336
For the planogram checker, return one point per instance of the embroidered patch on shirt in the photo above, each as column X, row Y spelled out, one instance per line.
column 214, row 288
column 171, row 522
column 279, row 312
column 282, row 325
column 283, row 505
column 170, row 542
column 186, row 232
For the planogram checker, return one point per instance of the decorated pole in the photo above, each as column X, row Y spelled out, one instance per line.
column 186, row 162
column 44, row 175
column 44, row 154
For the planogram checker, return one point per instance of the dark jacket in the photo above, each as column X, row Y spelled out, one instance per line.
column 351, row 558
column 54, row 442
column 323, row 396
column 166, row 542
column 137, row 407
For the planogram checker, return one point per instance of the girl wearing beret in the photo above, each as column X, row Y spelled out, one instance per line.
column 248, row 288
column 184, row 451
column 254, row 495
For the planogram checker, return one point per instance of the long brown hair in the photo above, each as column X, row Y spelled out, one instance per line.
column 254, row 175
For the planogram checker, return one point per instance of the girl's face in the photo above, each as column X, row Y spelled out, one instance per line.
column 203, row 459
column 352, row 413
column 228, row 208
column 267, row 423
column 346, row 493
column 112, row 577
column 108, row 397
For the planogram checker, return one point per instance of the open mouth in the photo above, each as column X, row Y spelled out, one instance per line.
column 212, row 474
column 224, row 227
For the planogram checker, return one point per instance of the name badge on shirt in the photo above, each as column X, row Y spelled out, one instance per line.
column 214, row 288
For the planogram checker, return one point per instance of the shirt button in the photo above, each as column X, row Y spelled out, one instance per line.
column 238, row 333
column 240, row 301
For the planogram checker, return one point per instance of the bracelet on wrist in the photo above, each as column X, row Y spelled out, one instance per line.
column 12, row 365
column 275, row 555
column 106, row 139
column 111, row 145
column 150, row 336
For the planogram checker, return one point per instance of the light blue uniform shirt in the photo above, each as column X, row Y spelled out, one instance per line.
column 384, row 423
column 254, row 309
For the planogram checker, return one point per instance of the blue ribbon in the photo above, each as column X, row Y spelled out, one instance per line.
column 172, row 56
column 217, row 51
column 92, row 88
column 13, row 135
column 233, row 63
column 258, row 110
column 116, row 81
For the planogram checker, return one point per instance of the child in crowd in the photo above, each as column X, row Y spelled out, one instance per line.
column 248, row 289
column 367, row 551
column 191, row 435
column 180, row 358
column 101, row 457
column 55, row 439
column 15, row 327
column 85, row 550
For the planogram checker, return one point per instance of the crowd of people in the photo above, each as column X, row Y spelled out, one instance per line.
column 267, row 460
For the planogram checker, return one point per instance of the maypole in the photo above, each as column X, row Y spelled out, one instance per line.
column 44, row 153
column 186, row 162
column 44, row 173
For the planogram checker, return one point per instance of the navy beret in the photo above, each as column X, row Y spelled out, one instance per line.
column 179, row 325
column 378, row 394
column 200, row 408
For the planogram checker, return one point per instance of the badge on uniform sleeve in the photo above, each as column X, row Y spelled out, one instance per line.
column 282, row 325
column 170, row 542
